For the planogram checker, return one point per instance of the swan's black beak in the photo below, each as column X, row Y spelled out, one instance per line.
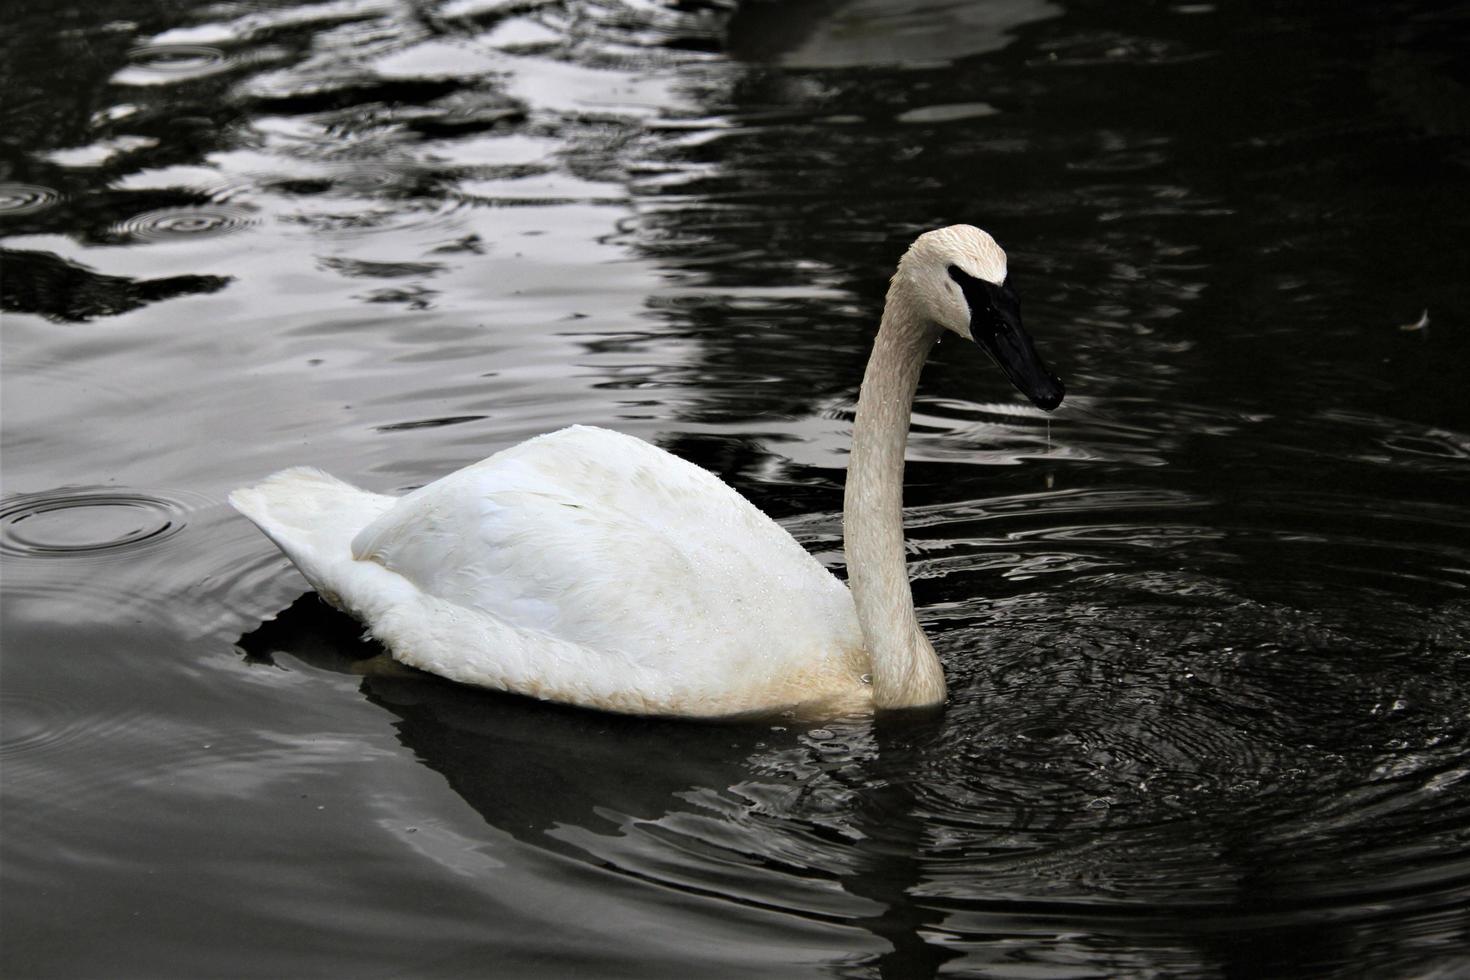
column 995, row 323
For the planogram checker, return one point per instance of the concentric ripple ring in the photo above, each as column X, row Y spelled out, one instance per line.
column 177, row 59
column 86, row 523
column 26, row 198
column 174, row 224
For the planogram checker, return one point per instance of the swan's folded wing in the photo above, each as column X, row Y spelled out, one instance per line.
column 604, row 541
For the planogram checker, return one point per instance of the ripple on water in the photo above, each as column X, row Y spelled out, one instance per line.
column 371, row 180
column 36, row 722
column 185, row 223
column 356, row 181
column 161, row 64
column 26, row 198
column 28, row 721
column 88, row 523
column 362, row 199
column 1167, row 714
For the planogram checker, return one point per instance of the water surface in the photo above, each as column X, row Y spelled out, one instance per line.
column 1207, row 629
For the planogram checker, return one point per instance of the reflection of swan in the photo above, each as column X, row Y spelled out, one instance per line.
column 663, row 805
column 589, row 567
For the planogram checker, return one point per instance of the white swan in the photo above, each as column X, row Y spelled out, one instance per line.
column 592, row 568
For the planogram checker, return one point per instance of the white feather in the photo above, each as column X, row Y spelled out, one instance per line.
column 583, row 566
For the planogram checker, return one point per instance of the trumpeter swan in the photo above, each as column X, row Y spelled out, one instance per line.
column 589, row 567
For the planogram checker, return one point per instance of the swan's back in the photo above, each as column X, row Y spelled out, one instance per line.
column 592, row 567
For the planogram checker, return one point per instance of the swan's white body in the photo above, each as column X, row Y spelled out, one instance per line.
column 583, row 566
column 592, row 568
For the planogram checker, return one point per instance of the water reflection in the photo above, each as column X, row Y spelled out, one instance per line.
column 864, row 33
column 772, row 817
column 44, row 283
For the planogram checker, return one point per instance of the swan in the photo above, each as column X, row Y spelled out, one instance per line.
column 589, row 567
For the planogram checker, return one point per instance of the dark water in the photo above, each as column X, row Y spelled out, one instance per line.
column 1207, row 630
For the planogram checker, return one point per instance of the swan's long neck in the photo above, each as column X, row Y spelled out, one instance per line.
column 906, row 673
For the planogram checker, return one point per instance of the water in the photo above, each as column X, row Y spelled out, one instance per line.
column 1207, row 632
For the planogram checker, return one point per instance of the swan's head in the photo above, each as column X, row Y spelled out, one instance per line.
column 958, row 275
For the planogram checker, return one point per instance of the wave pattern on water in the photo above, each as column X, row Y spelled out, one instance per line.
column 25, row 198
column 171, row 63
column 87, row 523
column 176, row 224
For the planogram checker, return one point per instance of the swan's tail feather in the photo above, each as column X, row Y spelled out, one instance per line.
column 313, row 517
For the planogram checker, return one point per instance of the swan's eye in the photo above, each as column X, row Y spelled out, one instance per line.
column 971, row 288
